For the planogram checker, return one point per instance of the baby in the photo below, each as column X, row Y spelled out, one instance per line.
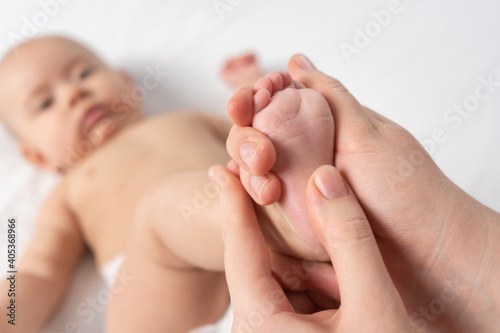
column 135, row 192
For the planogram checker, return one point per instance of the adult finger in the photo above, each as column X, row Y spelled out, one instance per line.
column 341, row 225
column 345, row 108
column 251, row 149
column 246, row 257
column 304, row 275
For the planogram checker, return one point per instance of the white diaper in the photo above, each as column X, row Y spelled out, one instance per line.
column 109, row 271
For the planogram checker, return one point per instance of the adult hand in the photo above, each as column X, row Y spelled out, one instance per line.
column 439, row 244
column 369, row 300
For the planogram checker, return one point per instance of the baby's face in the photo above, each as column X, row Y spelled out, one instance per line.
column 61, row 101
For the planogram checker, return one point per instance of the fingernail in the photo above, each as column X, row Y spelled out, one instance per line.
column 330, row 183
column 303, row 62
column 248, row 151
column 257, row 183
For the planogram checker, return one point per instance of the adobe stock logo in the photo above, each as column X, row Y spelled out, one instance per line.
column 31, row 26
column 462, row 110
column 222, row 7
column 371, row 30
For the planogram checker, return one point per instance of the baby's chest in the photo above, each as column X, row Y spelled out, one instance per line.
column 113, row 179
column 110, row 182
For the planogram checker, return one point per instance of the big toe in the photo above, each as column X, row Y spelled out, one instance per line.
column 240, row 107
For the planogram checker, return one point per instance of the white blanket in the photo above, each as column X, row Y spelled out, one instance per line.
column 425, row 64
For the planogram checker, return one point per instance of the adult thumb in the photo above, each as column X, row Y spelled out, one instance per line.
column 345, row 107
column 342, row 226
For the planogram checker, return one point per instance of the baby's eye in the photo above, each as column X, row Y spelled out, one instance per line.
column 46, row 104
column 86, row 73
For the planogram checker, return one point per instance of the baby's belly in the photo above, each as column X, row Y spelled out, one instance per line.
column 107, row 202
column 107, row 218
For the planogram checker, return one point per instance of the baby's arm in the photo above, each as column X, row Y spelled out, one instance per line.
column 45, row 270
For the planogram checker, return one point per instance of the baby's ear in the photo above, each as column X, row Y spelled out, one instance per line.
column 36, row 158
column 125, row 77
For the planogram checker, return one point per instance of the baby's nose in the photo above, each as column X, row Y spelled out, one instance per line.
column 72, row 93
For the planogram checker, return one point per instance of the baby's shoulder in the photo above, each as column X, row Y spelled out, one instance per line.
column 180, row 116
column 55, row 211
column 174, row 121
column 58, row 195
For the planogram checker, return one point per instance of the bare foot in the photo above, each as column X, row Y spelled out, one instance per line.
column 434, row 238
column 299, row 123
column 242, row 71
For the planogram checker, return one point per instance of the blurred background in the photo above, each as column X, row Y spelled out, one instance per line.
column 433, row 67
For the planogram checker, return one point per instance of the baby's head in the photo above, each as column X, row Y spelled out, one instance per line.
column 61, row 101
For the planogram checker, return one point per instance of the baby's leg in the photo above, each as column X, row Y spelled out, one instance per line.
column 176, row 254
column 300, row 125
column 166, row 291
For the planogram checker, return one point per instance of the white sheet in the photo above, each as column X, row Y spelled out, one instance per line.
column 424, row 61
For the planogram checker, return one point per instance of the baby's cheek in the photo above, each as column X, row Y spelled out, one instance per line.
column 102, row 84
column 69, row 145
column 112, row 91
column 59, row 141
column 125, row 89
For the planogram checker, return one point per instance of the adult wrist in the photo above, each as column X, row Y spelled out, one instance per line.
column 467, row 269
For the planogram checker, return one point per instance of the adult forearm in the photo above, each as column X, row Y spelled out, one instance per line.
column 466, row 273
column 480, row 270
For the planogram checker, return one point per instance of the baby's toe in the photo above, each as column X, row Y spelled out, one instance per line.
column 280, row 80
column 260, row 100
column 240, row 107
column 263, row 83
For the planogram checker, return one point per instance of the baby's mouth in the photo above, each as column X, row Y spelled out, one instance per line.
column 92, row 116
